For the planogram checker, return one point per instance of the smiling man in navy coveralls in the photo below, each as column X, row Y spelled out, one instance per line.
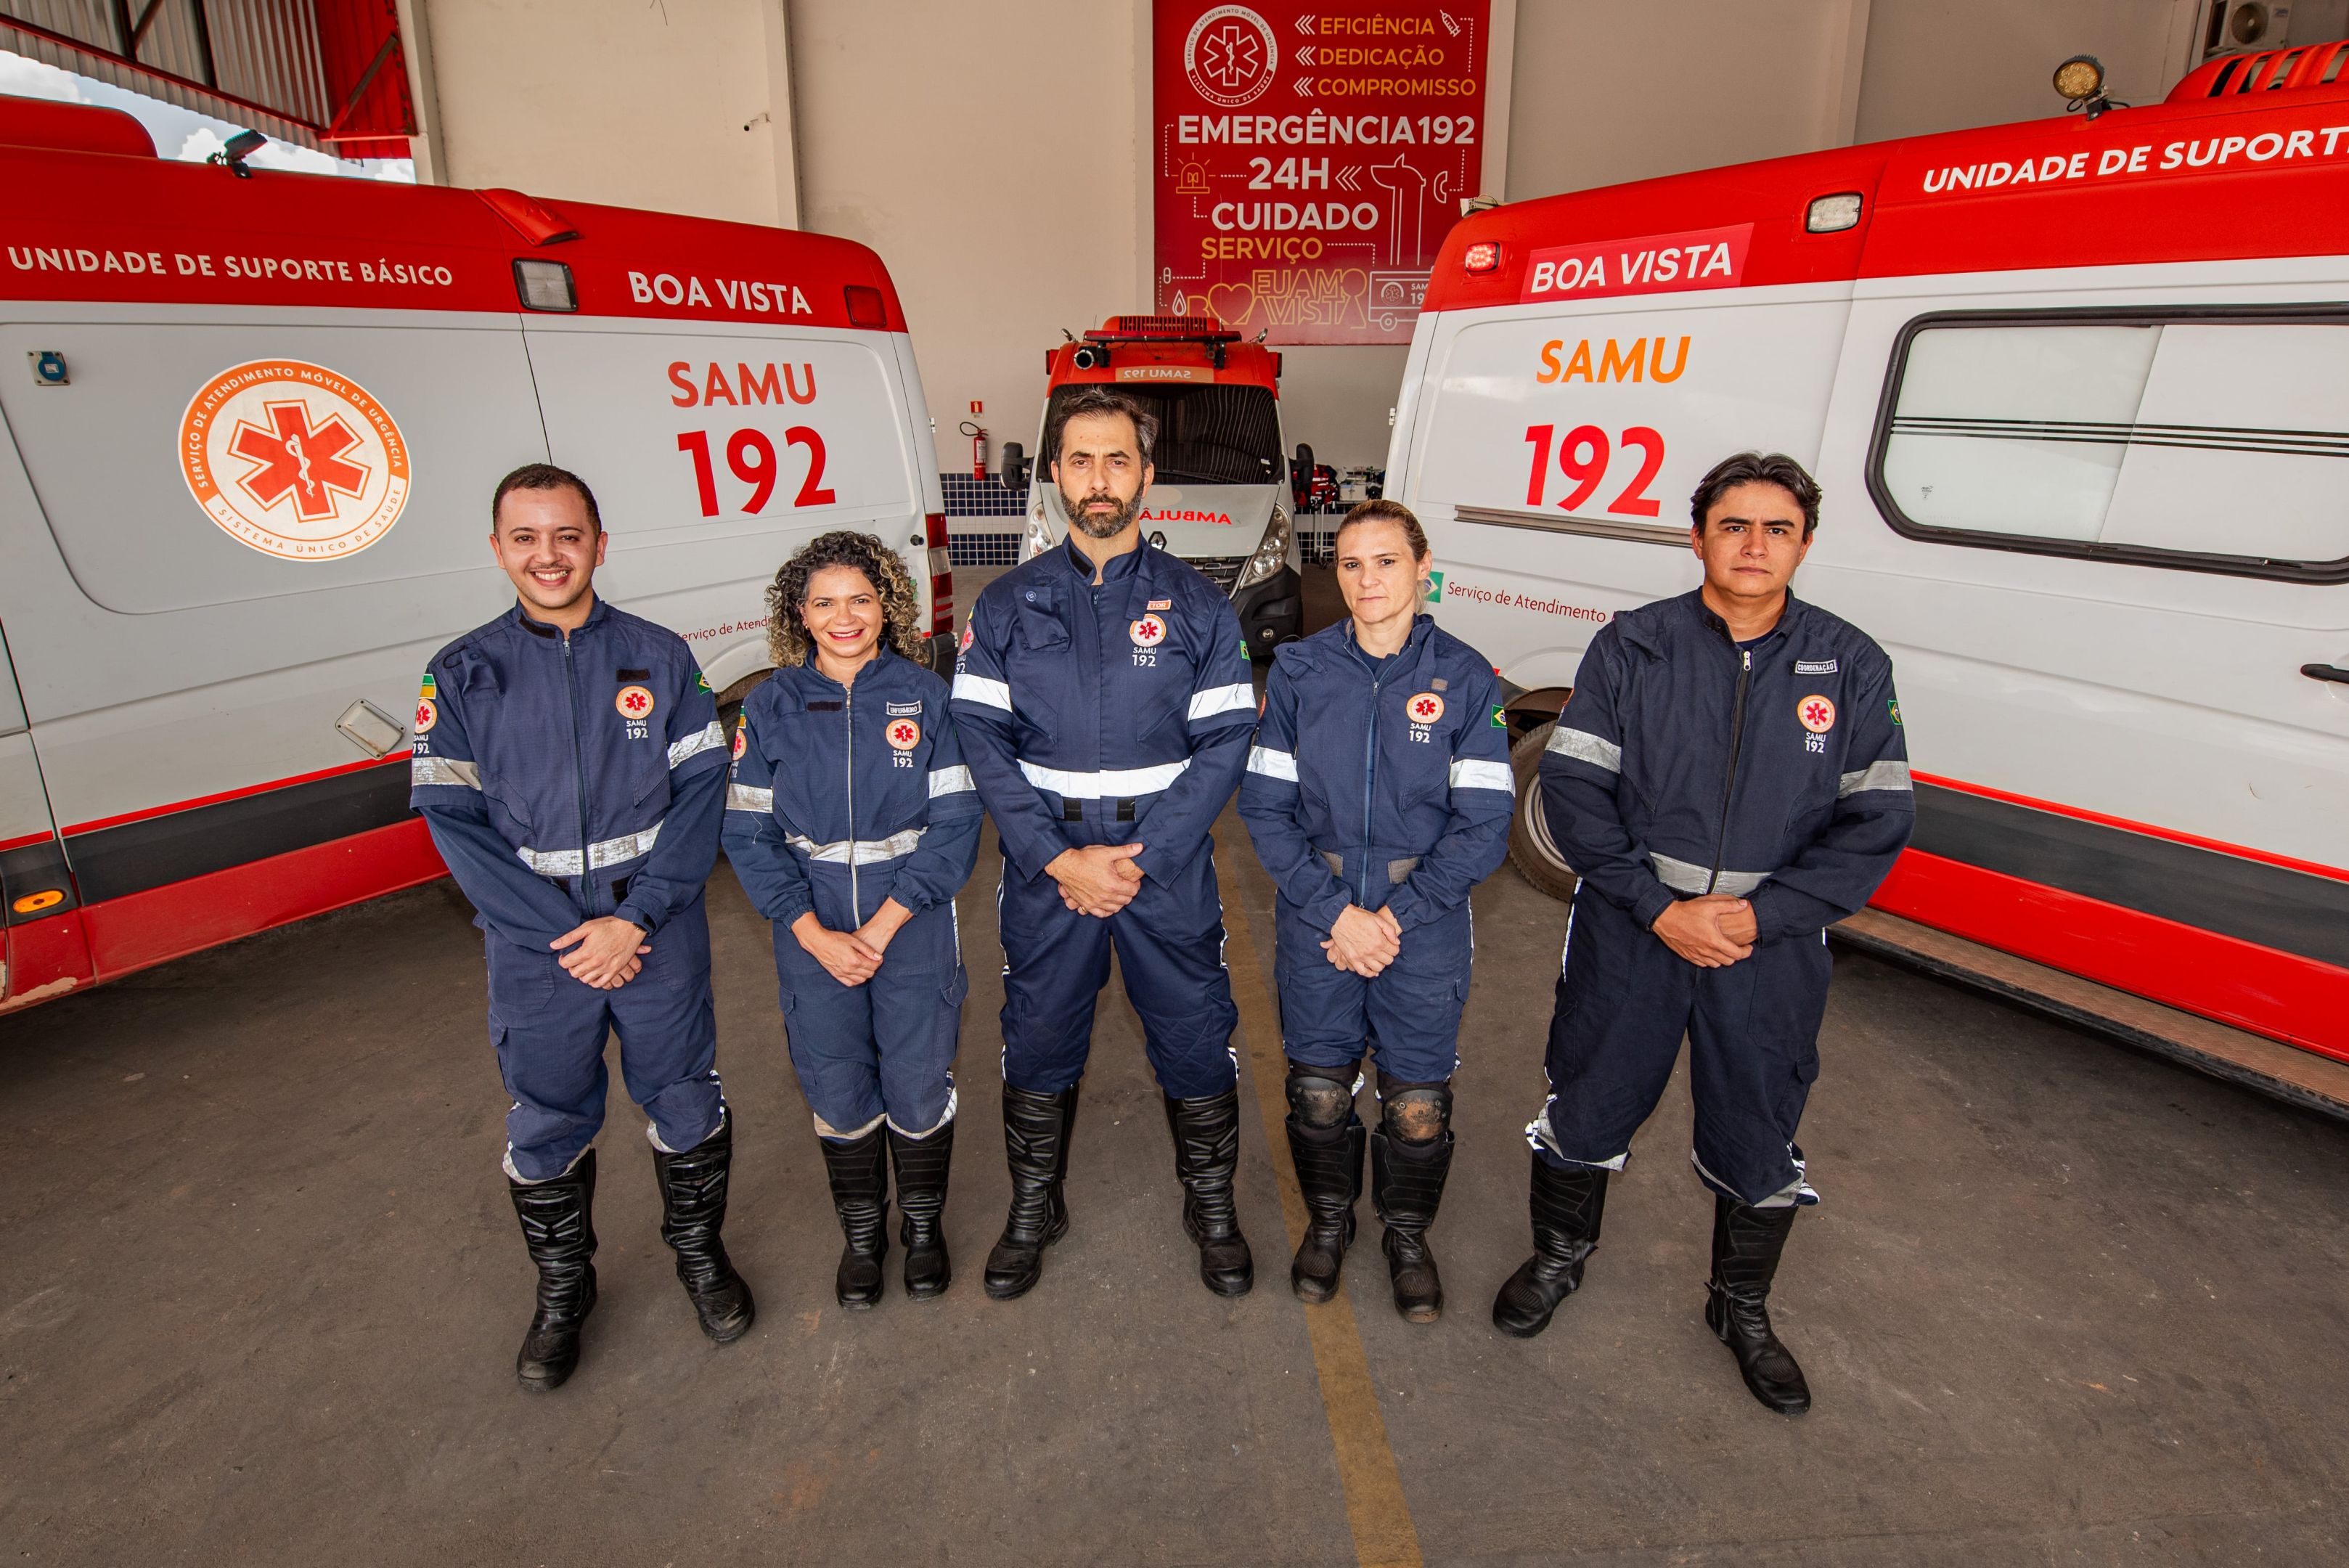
column 569, row 762
column 1104, row 707
column 1730, row 779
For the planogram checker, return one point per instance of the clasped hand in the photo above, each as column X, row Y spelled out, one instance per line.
column 854, row 957
column 1363, row 941
column 1098, row 879
column 1710, row 933
column 610, row 952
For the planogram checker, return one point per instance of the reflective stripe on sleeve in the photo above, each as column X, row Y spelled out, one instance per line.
column 1686, row 877
column 968, row 688
column 1221, row 699
column 742, row 797
column 1585, row 747
column 858, row 851
column 1890, row 774
column 1121, row 784
column 443, row 770
column 710, row 737
column 1469, row 772
column 1272, row 764
column 954, row 780
column 610, row 851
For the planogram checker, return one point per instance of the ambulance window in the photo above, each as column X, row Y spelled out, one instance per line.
column 1223, row 434
column 2214, row 442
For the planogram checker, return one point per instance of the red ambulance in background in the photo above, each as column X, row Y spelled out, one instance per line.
column 2077, row 391
column 252, row 422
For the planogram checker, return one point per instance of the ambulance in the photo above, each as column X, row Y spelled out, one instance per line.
column 2077, row 391
column 252, row 422
column 1221, row 497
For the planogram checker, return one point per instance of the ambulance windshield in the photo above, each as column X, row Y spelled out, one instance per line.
column 1213, row 435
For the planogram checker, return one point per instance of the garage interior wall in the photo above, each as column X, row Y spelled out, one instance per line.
column 995, row 154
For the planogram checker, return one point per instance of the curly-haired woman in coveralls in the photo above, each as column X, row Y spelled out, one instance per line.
column 1379, row 795
column 851, row 823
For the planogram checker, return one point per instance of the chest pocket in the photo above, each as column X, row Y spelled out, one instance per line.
column 1036, row 660
column 892, row 781
column 1813, row 736
column 1160, row 677
column 638, row 731
column 1420, row 752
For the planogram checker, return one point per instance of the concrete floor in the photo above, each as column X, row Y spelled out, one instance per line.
column 260, row 1291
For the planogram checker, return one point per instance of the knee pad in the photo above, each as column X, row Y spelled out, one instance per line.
column 1321, row 1097
column 1415, row 1113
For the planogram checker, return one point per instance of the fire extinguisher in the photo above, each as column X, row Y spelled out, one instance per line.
column 977, row 449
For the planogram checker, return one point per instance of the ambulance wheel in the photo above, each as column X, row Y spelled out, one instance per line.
column 1531, row 849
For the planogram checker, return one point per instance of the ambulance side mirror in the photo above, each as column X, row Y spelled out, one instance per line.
column 1014, row 470
column 1300, row 474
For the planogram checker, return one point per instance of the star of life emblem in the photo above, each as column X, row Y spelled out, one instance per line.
column 294, row 459
column 1425, row 708
column 1816, row 713
column 1149, row 631
column 1230, row 56
column 633, row 703
column 903, row 734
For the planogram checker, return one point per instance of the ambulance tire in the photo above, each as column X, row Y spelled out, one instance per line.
column 1531, row 849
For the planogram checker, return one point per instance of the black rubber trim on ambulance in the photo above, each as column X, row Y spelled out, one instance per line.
column 2291, row 911
column 114, row 862
column 2312, row 314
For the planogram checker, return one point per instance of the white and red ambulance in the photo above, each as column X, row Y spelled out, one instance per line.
column 2078, row 394
column 1221, row 497
column 253, row 424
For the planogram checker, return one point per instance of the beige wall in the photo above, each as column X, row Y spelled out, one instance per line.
column 627, row 102
column 994, row 151
column 1943, row 65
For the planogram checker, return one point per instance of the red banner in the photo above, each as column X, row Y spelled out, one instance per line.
column 1310, row 158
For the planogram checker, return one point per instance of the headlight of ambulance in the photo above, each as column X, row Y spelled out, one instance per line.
column 1271, row 551
column 1039, row 537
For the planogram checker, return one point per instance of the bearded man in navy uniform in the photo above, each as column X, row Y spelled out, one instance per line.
column 1104, row 707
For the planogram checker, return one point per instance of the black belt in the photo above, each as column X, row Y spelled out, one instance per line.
column 1073, row 811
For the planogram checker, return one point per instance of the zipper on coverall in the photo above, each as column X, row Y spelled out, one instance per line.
column 578, row 776
column 1736, row 744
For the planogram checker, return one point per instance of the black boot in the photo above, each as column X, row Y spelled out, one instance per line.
column 859, row 1170
column 1329, row 1176
column 1567, row 1206
column 1036, row 1133
column 693, row 1210
column 1407, row 1185
column 1207, row 1155
column 1746, row 1242
column 922, row 1163
column 558, row 1226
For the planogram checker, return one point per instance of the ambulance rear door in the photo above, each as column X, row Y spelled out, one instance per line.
column 717, row 447
column 1549, row 444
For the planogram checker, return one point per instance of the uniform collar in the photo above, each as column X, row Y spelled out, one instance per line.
column 520, row 615
column 877, row 670
column 1423, row 627
column 1118, row 566
column 1713, row 622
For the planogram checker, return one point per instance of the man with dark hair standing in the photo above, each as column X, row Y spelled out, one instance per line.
column 1730, row 779
column 1104, row 708
column 569, row 762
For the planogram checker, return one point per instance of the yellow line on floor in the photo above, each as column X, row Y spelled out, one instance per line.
column 1385, row 1536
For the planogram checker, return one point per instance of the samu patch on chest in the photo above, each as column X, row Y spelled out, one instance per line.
column 635, row 705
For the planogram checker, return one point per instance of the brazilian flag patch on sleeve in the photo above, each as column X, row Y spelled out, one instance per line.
column 1500, row 717
column 700, row 681
column 1894, row 704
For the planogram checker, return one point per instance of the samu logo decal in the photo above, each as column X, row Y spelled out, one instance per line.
column 1230, row 56
column 294, row 459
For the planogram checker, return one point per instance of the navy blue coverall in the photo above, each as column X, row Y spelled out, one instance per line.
column 1105, row 715
column 567, row 775
column 841, row 799
column 1687, row 764
column 1385, row 785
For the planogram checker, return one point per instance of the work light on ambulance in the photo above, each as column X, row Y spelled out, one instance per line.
column 1484, row 255
column 1833, row 215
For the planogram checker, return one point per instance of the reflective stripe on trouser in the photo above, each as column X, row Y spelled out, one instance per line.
column 1407, row 1019
column 549, row 1032
column 1623, row 1003
column 1170, row 946
column 884, row 1050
